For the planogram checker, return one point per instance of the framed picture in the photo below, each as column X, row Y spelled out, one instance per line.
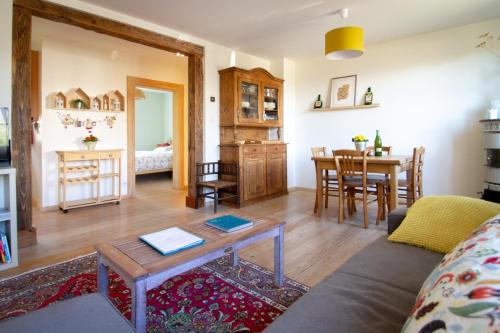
column 343, row 91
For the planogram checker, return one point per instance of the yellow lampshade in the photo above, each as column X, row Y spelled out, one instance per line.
column 344, row 43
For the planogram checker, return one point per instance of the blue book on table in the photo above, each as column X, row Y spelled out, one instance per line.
column 229, row 223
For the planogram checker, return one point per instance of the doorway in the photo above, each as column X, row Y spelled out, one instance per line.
column 146, row 156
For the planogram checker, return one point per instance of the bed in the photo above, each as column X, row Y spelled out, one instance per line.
column 157, row 160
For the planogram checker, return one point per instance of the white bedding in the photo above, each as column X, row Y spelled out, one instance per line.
column 153, row 160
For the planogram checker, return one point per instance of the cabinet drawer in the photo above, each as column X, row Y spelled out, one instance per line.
column 109, row 154
column 80, row 156
column 257, row 149
column 276, row 148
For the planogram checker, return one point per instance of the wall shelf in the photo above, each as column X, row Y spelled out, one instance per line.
column 344, row 108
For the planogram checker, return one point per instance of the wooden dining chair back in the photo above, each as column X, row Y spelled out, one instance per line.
column 352, row 179
column 412, row 187
column 385, row 149
column 318, row 151
column 417, row 172
column 224, row 186
column 330, row 183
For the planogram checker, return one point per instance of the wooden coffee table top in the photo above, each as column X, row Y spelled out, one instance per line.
column 138, row 259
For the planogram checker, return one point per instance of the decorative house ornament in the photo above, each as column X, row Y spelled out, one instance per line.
column 105, row 103
column 116, row 105
column 60, row 101
column 345, row 42
column 96, row 104
column 117, row 101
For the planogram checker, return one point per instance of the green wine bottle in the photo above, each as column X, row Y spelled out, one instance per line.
column 318, row 104
column 378, row 145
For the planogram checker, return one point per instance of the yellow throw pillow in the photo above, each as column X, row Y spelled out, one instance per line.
column 439, row 223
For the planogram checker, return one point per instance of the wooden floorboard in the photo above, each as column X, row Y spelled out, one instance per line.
column 314, row 247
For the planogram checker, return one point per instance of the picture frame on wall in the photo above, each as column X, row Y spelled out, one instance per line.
column 343, row 91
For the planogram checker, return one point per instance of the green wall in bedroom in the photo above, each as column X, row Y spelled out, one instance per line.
column 153, row 119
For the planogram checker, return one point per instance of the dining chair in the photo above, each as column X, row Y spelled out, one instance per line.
column 353, row 180
column 412, row 188
column 330, row 182
column 384, row 182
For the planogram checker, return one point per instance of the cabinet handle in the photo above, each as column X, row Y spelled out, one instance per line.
column 110, row 155
column 82, row 157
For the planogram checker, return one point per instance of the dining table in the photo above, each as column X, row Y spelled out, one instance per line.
column 391, row 165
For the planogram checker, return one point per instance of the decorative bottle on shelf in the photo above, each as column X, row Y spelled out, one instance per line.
column 378, row 144
column 369, row 96
column 318, row 104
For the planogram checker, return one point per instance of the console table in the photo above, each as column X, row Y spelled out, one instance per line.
column 92, row 167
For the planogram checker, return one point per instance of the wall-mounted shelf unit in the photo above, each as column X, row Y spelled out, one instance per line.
column 344, row 108
column 113, row 101
column 87, row 167
column 8, row 214
column 85, row 110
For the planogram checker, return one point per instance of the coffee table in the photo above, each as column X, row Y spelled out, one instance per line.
column 143, row 268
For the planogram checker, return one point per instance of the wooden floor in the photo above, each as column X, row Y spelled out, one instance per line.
column 314, row 247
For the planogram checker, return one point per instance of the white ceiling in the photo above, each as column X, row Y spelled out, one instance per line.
column 295, row 28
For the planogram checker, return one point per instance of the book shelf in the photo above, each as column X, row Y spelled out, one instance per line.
column 8, row 213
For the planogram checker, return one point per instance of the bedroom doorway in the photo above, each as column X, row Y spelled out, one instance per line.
column 155, row 131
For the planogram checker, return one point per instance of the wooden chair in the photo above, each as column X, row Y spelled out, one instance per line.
column 330, row 182
column 226, row 182
column 352, row 181
column 412, row 188
column 383, row 181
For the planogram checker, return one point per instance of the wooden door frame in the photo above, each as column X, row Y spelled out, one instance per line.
column 178, row 125
column 21, row 113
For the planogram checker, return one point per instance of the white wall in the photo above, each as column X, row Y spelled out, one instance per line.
column 433, row 89
column 66, row 64
column 153, row 119
column 5, row 53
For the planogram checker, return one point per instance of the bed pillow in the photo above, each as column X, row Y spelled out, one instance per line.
column 462, row 294
column 162, row 149
column 165, row 144
column 439, row 223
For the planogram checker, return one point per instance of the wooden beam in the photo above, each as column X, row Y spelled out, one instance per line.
column 195, row 118
column 21, row 113
column 85, row 20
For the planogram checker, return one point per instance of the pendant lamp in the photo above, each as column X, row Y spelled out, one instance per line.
column 345, row 42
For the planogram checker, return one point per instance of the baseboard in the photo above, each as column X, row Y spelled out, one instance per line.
column 302, row 189
column 56, row 207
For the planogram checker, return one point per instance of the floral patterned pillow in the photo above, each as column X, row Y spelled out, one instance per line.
column 462, row 294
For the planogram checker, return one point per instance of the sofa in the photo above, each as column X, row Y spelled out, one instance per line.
column 372, row 292
column 90, row 313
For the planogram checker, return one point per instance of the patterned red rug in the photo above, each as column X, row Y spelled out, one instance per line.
column 212, row 298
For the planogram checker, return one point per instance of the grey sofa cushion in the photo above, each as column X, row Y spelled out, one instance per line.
column 372, row 292
column 89, row 313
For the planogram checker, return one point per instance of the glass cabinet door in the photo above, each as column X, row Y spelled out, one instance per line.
column 249, row 99
column 270, row 106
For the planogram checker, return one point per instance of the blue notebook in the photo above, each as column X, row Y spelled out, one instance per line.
column 171, row 240
column 229, row 223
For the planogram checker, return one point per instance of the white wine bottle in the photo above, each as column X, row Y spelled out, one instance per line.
column 369, row 96
column 318, row 104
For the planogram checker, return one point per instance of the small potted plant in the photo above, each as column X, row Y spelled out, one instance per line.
column 78, row 104
column 90, row 141
column 360, row 142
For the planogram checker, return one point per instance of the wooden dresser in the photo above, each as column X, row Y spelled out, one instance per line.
column 251, row 120
column 93, row 167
